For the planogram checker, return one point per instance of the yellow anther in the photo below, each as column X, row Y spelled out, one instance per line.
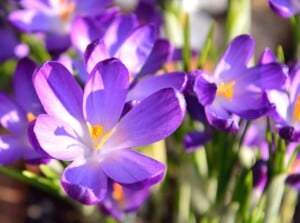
column 30, row 117
column 296, row 113
column 118, row 193
column 226, row 90
column 66, row 10
column 98, row 135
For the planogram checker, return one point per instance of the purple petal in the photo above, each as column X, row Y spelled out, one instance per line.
column 151, row 84
column 131, row 201
column 35, row 154
column 8, row 44
column 35, row 21
column 79, row 66
column 221, row 119
column 289, row 133
column 105, row 93
column 205, row 90
column 90, row 7
column 235, row 58
column 59, row 93
column 160, row 54
column 57, row 43
column 153, row 119
column 266, row 57
column 58, row 139
column 128, row 167
column 12, row 116
column 118, row 31
column 194, row 140
column 137, row 47
column 195, row 109
column 249, row 105
column 23, row 87
column 85, row 182
column 285, row 8
column 95, row 52
column 260, row 175
column 266, row 77
column 83, row 32
column 10, row 149
column 148, row 12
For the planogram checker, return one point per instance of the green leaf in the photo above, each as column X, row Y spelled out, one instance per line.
column 280, row 54
column 49, row 172
column 37, row 47
column 207, row 46
column 238, row 18
column 186, row 42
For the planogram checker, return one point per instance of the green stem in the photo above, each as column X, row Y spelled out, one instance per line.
column 238, row 18
column 275, row 193
column 184, row 197
column 33, row 180
column 295, row 23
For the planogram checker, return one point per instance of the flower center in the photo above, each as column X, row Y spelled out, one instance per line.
column 98, row 135
column 118, row 193
column 66, row 9
column 296, row 113
column 226, row 90
column 30, row 117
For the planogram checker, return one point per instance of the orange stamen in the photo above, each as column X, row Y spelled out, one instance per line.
column 226, row 90
column 30, row 117
column 118, row 193
column 296, row 113
column 98, row 135
column 66, row 10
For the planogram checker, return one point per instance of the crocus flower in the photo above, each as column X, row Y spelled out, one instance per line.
column 17, row 115
column 235, row 91
column 136, row 46
column 54, row 18
column 87, row 129
column 285, row 8
column 120, row 200
column 287, row 113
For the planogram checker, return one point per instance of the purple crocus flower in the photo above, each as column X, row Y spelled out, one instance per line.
column 54, row 17
column 87, row 129
column 287, row 113
column 235, row 91
column 120, row 200
column 285, row 8
column 17, row 116
column 136, row 46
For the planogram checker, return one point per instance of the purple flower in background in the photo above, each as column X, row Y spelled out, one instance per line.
column 87, row 128
column 287, row 113
column 120, row 200
column 260, row 179
column 54, row 17
column 10, row 46
column 136, row 46
column 235, row 91
column 17, row 116
column 285, row 8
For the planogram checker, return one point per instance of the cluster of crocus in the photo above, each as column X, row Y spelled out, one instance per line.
column 112, row 82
